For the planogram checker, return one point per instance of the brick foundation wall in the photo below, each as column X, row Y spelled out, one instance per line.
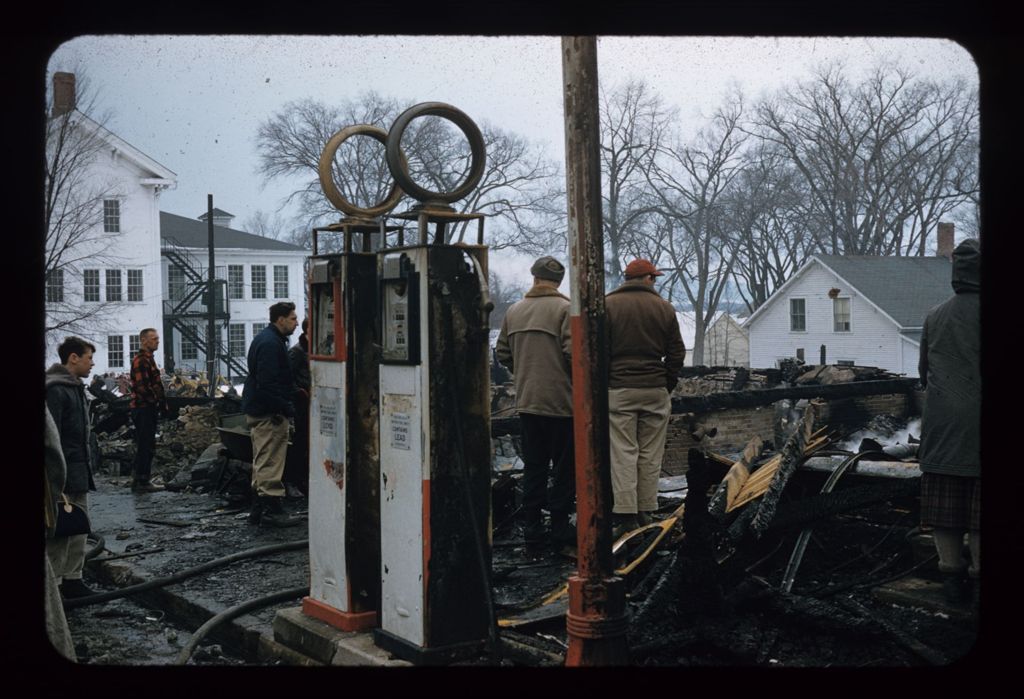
column 854, row 413
column 735, row 428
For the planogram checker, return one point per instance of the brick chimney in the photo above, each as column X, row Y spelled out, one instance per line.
column 944, row 246
column 63, row 93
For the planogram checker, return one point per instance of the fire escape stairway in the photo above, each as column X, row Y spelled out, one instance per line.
column 187, row 311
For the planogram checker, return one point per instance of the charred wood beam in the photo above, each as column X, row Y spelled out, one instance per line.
column 926, row 653
column 821, row 506
column 766, row 396
column 792, row 454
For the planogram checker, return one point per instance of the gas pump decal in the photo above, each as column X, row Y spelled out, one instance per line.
column 400, row 425
column 329, row 420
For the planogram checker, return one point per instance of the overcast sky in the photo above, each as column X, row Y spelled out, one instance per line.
column 193, row 103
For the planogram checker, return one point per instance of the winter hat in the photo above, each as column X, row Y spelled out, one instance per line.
column 641, row 268
column 548, row 268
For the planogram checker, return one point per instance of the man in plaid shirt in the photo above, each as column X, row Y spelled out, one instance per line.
column 147, row 399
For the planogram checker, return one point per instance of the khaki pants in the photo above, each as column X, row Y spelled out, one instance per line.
column 269, row 447
column 56, row 623
column 637, row 424
column 67, row 553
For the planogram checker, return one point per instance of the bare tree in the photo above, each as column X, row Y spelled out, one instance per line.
column 73, row 196
column 768, row 230
column 634, row 124
column 504, row 292
column 882, row 161
column 264, row 224
column 521, row 191
column 691, row 182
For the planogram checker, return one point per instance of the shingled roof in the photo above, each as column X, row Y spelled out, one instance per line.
column 193, row 233
column 906, row 288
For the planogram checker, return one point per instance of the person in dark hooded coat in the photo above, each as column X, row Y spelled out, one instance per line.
column 950, row 450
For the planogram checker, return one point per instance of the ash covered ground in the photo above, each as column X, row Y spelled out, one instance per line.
column 689, row 606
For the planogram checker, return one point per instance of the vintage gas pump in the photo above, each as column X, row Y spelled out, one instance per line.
column 344, row 468
column 435, row 450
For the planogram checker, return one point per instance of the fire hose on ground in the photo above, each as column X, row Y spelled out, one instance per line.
column 231, row 613
column 184, row 574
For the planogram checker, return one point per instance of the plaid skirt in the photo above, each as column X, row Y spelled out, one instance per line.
column 950, row 502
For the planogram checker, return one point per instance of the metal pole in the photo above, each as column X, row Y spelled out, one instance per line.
column 211, row 309
column 596, row 621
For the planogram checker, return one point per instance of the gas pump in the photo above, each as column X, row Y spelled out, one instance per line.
column 344, row 468
column 435, row 449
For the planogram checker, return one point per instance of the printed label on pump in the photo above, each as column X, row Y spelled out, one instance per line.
column 328, row 420
column 400, row 431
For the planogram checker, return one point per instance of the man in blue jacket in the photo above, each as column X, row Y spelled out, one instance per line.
column 267, row 404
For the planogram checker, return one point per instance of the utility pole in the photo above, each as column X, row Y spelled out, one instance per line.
column 596, row 621
column 211, row 308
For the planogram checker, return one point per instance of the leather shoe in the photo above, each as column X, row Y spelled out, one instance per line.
column 74, row 587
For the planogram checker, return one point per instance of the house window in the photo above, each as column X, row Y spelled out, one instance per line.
column 55, row 286
column 258, row 274
column 257, row 328
column 115, row 350
column 135, row 285
column 113, row 285
column 797, row 315
column 111, row 216
column 188, row 349
column 175, row 283
column 280, row 281
column 844, row 362
column 235, row 281
column 236, row 339
column 134, row 345
column 800, row 353
column 841, row 314
column 91, row 278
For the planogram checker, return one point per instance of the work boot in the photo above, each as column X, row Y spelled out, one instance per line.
column 622, row 523
column 273, row 514
column 256, row 511
column 534, row 533
column 644, row 518
column 74, row 587
column 563, row 532
column 954, row 588
column 144, row 486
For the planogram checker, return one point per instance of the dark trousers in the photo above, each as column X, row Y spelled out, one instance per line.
column 296, row 465
column 145, row 442
column 547, row 440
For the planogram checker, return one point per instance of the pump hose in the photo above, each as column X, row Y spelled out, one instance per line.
column 231, row 613
column 182, row 575
column 97, row 548
column 449, row 332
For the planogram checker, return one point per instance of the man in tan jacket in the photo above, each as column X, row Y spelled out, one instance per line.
column 534, row 345
column 645, row 354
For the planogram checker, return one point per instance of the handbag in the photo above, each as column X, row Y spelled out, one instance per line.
column 72, row 520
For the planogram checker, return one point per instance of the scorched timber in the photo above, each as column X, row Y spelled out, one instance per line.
column 766, row 396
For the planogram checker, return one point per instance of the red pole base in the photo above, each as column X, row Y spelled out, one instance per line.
column 596, row 622
column 346, row 621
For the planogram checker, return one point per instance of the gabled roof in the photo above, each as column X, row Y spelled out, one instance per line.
column 193, row 233
column 906, row 288
column 131, row 153
column 902, row 288
column 217, row 213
